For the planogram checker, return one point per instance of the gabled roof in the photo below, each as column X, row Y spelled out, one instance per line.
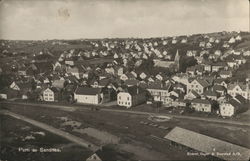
column 130, row 75
column 53, row 89
column 207, row 144
column 87, row 91
column 240, row 84
column 202, row 82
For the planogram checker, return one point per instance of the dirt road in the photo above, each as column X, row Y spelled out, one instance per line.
column 73, row 108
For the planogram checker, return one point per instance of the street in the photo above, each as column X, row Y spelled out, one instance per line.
column 73, row 108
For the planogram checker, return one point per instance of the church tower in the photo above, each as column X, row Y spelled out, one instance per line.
column 177, row 60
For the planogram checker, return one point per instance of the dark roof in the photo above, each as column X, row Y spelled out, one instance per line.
column 220, row 64
column 104, row 81
column 219, row 81
column 211, row 92
column 55, row 90
column 203, row 101
column 159, row 85
column 240, row 98
column 207, row 144
column 219, row 88
column 24, row 85
column 195, row 93
column 134, row 90
column 132, row 82
column 204, row 83
column 87, row 91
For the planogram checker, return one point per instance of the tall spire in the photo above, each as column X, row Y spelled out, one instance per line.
column 177, row 56
column 177, row 60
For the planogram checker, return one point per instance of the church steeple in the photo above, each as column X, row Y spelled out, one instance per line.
column 177, row 60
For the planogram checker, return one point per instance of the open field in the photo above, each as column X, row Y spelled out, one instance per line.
column 18, row 136
column 127, row 127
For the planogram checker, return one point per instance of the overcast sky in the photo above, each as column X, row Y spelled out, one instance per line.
column 64, row 19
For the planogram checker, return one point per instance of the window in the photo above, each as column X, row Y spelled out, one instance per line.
column 129, row 103
column 128, row 98
column 50, row 95
column 119, row 97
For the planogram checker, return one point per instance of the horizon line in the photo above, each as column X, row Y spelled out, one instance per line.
column 121, row 37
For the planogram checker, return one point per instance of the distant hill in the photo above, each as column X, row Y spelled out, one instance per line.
column 58, row 46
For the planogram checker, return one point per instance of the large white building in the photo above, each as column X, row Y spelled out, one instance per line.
column 201, row 105
column 229, row 108
column 91, row 95
column 131, row 96
column 50, row 94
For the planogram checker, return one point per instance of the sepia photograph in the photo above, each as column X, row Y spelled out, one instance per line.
column 124, row 80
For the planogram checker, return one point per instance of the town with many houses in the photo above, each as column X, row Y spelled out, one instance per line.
column 203, row 80
column 191, row 72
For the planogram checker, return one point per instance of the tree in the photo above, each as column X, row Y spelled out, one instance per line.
column 186, row 62
column 215, row 105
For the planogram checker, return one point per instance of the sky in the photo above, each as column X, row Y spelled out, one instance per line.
column 73, row 19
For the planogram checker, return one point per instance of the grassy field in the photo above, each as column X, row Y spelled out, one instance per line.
column 128, row 128
column 17, row 135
